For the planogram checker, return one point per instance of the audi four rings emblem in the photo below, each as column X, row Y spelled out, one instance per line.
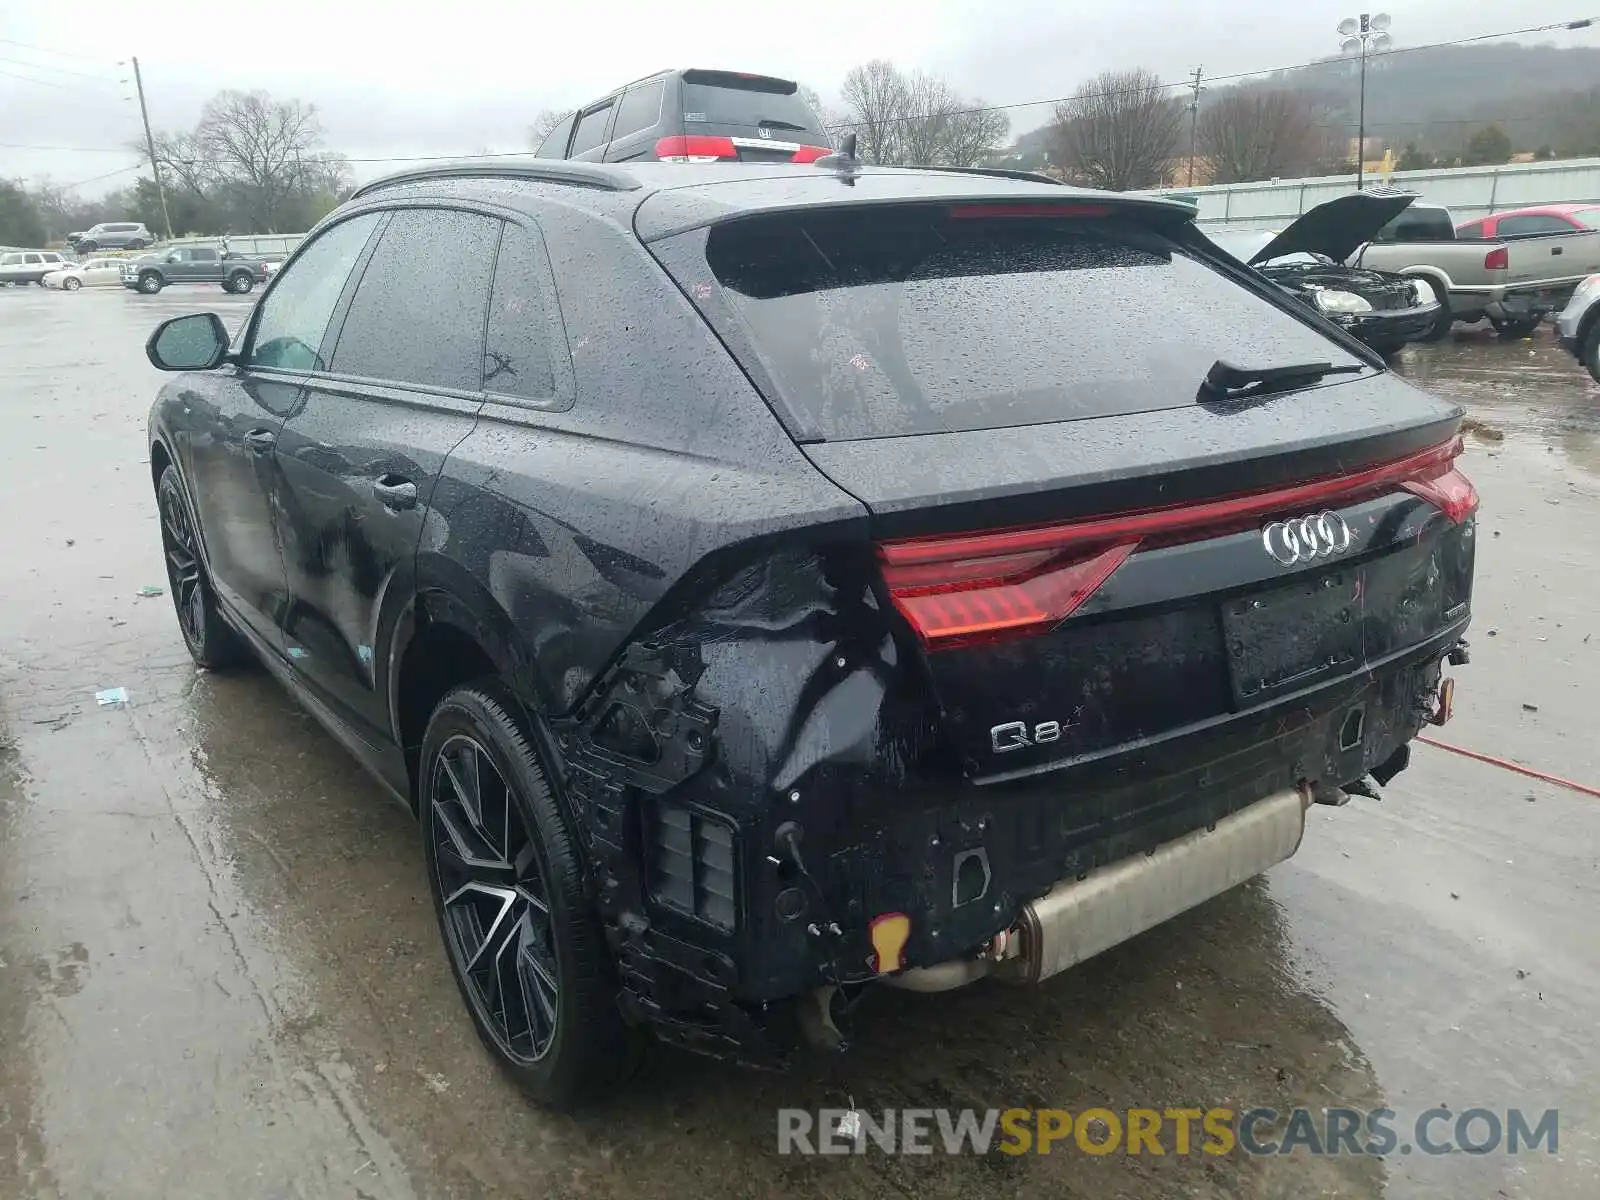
column 1321, row 535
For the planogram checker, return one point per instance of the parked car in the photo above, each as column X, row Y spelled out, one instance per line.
column 28, row 266
column 95, row 272
column 111, row 235
column 1578, row 326
column 856, row 631
column 193, row 264
column 1514, row 282
column 694, row 116
column 1530, row 222
column 1384, row 310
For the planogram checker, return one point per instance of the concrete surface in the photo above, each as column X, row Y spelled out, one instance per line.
column 219, row 974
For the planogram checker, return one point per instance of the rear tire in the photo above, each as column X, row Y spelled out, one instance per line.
column 507, row 877
column 1515, row 327
column 137, row 244
column 150, row 283
column 1591, row 350
column 211, row 641
column 239, row 284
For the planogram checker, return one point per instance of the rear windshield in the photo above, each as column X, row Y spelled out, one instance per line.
column 1419, row 225
column 1588, row 217
column 713, row 99
column 880, row 323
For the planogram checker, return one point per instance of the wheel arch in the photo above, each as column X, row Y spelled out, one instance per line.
column 450, row 632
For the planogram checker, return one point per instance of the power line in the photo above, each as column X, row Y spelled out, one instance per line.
column 37, row 66
column 66, row 149
column 57, row 53
column 51, row 83
column 97, row 178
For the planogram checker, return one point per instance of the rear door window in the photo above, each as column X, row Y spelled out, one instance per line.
column 1470, row 231
column 591, row 130
column 640, row 109
column 728, row 103
column 523, row 326
column 417, row 315
column 924, row 319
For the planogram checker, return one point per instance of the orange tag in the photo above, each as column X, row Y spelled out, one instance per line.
column 889, row 933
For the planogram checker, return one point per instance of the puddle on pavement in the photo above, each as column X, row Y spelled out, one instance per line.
column 1530, row 390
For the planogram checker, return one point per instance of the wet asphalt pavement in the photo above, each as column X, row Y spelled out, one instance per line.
column 220, row 976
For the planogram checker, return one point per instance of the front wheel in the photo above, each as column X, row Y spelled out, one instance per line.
column 71, row 283
column 150, row 283
column 524, row 941
column 136, row 244
column 211, row 642
column 1591, row 351
column 1443, row 319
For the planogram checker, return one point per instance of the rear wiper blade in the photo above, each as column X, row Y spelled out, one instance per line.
column 1227, row 377
column 778, row 124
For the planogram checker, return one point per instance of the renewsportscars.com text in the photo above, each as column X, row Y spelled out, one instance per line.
column 1175, row 1131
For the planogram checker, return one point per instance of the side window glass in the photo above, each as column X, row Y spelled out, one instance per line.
column 555, row 142
column 293, row 315
column 591, row 131
column 516, row 355
column 640, row 109
column 418, row 312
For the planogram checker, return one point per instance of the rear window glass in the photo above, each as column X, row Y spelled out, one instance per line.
column 1419, row 225
column 710, row 99
column 915, row 320
column 1589, row 218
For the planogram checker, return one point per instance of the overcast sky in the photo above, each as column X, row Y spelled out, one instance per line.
column 471, row 76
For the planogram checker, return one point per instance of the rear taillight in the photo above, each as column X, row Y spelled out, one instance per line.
column 810, row 154
column 955, row 590
column 692, row 148
column 1497, row 259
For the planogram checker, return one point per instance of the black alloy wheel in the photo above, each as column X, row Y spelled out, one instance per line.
column 211, row 642
column 524, row 942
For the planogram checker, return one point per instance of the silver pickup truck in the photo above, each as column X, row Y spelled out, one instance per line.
column 1515, row 282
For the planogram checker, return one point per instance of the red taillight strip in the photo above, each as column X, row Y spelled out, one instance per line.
column 979, row 211
column 959, row 589
column 810, row 154
column 695, row 146
column 1170, row 519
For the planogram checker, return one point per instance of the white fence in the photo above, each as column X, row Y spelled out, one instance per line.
column 1466, row 191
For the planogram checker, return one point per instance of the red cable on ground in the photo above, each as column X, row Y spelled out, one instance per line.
column 1511, row 766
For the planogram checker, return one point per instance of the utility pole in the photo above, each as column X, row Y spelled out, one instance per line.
column 150, row 146
column 1194, row 120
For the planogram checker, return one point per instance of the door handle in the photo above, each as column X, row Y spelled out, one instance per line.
column 1555, row 249
column 395, row 492
column 260, row 440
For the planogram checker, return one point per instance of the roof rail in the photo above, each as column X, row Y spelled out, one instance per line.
column 1001, row 172
column 577, row 174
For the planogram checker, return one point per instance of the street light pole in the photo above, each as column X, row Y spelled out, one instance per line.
column 150, row 146
column 1367, row 33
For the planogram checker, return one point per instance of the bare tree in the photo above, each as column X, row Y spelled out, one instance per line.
column 1247, row 135
column 876, row 103
column 833, row 121
column 260, row 147
column 917, row 118
column 1118, row 130
column 544, row 124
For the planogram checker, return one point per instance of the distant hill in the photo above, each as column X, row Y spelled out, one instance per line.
column 1540, row 95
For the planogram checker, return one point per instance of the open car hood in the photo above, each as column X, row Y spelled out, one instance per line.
column 1337, row 228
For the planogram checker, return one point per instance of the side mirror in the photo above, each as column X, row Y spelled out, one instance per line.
column 197, row 342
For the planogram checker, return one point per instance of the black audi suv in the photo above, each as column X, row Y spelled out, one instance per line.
column 769, row 582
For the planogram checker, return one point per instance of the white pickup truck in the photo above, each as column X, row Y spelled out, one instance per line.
column 1515, row 282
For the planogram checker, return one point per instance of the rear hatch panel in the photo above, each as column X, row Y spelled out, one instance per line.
column 983, row 377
